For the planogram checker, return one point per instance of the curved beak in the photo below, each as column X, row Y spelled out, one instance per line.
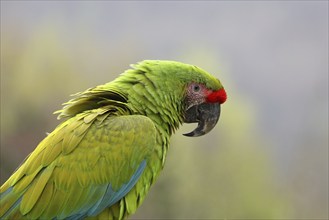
column 205, row 114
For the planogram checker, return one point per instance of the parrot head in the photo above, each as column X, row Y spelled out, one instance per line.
column 203, row 107
column 198, row 93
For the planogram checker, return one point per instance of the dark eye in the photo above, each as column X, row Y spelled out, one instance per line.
column 196, row 88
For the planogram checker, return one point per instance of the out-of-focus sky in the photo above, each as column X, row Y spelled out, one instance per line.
column 271, row 56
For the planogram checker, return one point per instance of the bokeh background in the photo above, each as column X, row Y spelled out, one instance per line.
column 267, row 157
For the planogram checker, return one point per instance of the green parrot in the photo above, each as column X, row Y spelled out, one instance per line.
column 100, row 162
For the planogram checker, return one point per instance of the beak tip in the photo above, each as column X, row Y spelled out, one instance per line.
column 193, row 134
column 189, row 134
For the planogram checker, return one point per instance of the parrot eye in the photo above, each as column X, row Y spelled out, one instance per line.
column 196, row 88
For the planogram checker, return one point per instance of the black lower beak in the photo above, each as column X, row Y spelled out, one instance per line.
column 206, row 114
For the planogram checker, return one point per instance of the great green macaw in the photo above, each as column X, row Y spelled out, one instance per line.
column 100, row 162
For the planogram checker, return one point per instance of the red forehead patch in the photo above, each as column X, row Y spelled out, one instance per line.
column 217, row 96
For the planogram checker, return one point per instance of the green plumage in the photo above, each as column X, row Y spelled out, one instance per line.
column 100, row 162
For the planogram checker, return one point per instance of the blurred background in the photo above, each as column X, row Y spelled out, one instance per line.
column 267, row 157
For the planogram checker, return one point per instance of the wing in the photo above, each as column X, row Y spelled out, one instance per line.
column 88, row 163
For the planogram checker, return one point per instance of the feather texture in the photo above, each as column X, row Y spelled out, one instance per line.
column 105, row 164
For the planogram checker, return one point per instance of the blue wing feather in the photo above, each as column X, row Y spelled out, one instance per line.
column 110, row 196
column 15, row 205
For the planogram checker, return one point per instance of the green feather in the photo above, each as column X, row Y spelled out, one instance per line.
column 33, row 193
